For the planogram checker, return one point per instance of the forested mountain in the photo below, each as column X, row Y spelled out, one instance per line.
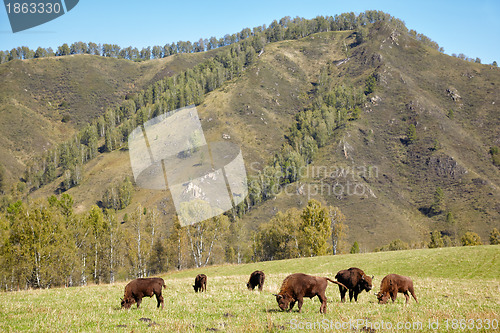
column 391, row 138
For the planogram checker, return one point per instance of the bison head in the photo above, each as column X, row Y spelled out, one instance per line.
column 127, row 302
column 382, row 297
column 283, row 301
column 366, row 283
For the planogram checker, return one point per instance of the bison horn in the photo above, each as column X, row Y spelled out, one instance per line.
column 373, row 277
column 275, row 294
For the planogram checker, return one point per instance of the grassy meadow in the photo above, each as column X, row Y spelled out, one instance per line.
column 461, row 284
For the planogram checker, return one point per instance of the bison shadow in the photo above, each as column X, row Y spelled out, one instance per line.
column 273, row 310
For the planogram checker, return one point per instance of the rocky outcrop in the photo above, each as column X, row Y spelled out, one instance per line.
column 446, row 166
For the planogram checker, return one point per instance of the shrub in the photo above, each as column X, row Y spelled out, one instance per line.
column 411, row 134
column 471, row 239
column 395, row 245
column 436, row 240
column 370, row 84
column 354, row 248
column 494, row 237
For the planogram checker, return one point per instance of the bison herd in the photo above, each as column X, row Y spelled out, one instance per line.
column 293, row 289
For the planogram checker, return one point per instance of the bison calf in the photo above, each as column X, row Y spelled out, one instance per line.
column 393, row 284
column 136, row 289
column 200, row 283
column 355, row 280
column 256, row 280
column 297, row 286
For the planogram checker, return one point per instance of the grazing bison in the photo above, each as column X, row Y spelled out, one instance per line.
column 393, row 284
column 297, row 286
column 256, row 279
column 136, row 289
column 355, row 280
column 200, row 283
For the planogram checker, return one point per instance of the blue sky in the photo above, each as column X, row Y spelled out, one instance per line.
column 469, row 27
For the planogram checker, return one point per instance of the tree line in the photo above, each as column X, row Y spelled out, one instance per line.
column 44, row 243
column 284, row 29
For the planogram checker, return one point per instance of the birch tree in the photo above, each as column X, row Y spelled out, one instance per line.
column 338, row 228
column 202, row 236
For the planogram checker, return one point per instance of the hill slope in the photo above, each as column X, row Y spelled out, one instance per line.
column 383, row 183
column 37, row 94
column 462, row 290
column 388, row 185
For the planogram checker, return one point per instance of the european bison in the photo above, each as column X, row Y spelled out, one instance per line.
column 136, row 289
column 393, row 284
column 297, row 286
column 200, row 283
column 355, row 280
column 256, row 279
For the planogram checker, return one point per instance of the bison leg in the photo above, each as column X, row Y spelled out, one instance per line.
column 138, row 300
column 322, row 298
column 300, row 301
column 356, row 293
column 159, row 299
column 292, row 304
column 342, row 293
column 412, row 292
column 407, row 297
column 394, row 295
column 351, row 293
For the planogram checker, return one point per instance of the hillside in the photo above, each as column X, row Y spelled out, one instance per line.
column 36, row 94
column 396, row 180
column 453, row 285
column 393, row 197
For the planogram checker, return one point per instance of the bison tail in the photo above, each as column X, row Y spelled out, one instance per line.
column 337, row 282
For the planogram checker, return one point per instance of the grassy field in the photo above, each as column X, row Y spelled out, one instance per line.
column 455, row 286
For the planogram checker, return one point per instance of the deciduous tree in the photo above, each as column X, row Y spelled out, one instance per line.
column 315, row 228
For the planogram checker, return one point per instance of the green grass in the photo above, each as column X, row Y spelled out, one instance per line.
column 450, row 283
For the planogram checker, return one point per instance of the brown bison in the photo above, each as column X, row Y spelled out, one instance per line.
column 136, row 289
column 297, row 286
column 355, row 280
column 393, row 284
column 256, row 280
column 200, row 283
